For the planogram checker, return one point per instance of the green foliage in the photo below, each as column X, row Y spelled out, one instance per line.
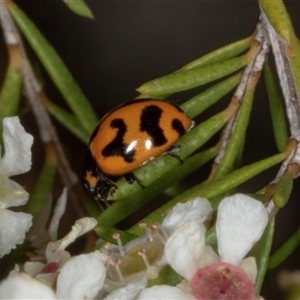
column 234, row 66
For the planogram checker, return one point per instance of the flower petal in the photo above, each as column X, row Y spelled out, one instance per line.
column 59, row 210
column 17, row 144
column 164, row 292
column 81, row 277
column 13, row 227
column 184, row 248
column 33, row 267
column 11, row 193
column 128, row 292
column 240, row 223
column 22, row 286
column 196, row 209
column 207, row 257
column 249, row 266
column 80, row 227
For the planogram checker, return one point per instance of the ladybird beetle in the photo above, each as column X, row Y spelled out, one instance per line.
column 128, row 137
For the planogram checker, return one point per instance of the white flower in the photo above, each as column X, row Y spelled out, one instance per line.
column 22, row 286
column 185, row 247
column 66, row 277
column 16, row 160
column 59, row 210
column 197, row 209
column 187, row 240
column 81, row 277
column 56, row 255
column 240, row 223
column 130, row 291
column 164, row 292
column 56, row 250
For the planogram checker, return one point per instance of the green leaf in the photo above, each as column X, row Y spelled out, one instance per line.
column 202, row 101
column 285, row 250
column 276, row 109
column 220, row 54
column 10, row 92
column 43, row 186
column 175, row 189
column 67, row 120
column 91, row 208
column 79, row 7
column 279, row 18
column 211, row 237
column 233, row 149
column 214, row 189
column 56, row 69
column 173, row 278
column 124, row 207
column 282, row 190
column 262, row 252
column 188, row 79
column 215, row 56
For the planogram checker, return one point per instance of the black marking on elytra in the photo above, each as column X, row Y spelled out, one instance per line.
column 117, row 147
column 177, row 126
column 150, row 123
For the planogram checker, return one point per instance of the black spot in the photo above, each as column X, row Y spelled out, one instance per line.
column 150, row 123
column 177, row 126
column 117, row 147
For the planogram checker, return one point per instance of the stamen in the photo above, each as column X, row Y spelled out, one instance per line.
column 109, row 270
column 152, row 271
column 225, row 283
column 116, row 265
column 106, row 248
column 116, row 236
column 163, row 231
column 143, row 225
column 142, row 253
column 154, row 229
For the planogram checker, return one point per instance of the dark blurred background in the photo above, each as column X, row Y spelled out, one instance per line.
column 130, row 42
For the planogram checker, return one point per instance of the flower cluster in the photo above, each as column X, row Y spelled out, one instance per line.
column 240, row 222
column 16, row 160
column 133, row 271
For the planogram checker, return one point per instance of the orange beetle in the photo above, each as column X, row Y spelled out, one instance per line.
column 128, row 137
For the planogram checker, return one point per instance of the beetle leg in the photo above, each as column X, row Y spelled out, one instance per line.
column 172, row 152
column 131, row 178
column 102, row 202
column 107, row 180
